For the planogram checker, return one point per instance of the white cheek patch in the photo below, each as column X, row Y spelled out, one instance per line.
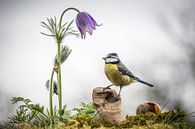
column 110, row 60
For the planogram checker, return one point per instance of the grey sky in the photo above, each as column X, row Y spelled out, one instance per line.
column 130, row 28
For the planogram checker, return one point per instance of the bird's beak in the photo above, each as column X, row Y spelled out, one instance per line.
column 104, row 58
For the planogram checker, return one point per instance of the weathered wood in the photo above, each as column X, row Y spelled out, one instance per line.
column 108, row 105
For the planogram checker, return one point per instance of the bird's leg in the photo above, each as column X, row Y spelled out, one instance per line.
column 120, row 90
column 118, row 95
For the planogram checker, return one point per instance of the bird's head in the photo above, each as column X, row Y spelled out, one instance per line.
column 111, row 58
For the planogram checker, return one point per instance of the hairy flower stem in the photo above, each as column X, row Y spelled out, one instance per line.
column 59, row 79
column 50, row 96
column 59, row 40
column 65, row 12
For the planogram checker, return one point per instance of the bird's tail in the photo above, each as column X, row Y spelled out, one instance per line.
column 141, row 81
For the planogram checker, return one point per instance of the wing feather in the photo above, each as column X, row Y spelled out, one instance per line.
column 124, row 70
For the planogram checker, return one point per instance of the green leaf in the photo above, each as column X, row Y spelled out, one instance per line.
column 43, row 24
column 85, row 109
column 73, row 33
column 47, row 34
column 37, row 107
column 63, row 26
column 20, row 99
column 68, row 27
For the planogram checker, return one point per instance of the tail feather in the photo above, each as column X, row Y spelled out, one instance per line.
column 141, row 81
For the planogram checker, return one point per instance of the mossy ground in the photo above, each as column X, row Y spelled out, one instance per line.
column 175, row 119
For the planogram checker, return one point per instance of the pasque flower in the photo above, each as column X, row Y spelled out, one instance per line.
column 85, row 23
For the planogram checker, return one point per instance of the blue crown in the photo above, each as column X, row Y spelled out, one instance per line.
column 112, row 55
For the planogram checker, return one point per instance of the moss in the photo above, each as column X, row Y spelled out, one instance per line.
column 175, row 119
column 28, row 126
column 63, row 126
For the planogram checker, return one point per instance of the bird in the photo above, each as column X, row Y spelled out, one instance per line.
column 118, row 73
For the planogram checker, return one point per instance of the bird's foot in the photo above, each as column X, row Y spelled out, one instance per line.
column 117, row 97
column 108, row 87
column 112, row 98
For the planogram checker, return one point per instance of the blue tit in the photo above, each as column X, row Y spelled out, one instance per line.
column 118, row 73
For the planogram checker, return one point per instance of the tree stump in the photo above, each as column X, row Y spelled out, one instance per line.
column 108, row 105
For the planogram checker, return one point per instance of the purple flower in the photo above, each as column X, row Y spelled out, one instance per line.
column 85, row 23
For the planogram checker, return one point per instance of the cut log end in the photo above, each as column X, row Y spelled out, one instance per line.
column 108, row 105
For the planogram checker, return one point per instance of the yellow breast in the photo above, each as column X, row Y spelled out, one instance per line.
column 115, row 76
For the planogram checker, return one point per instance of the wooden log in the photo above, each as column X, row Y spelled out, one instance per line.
column 108, row 105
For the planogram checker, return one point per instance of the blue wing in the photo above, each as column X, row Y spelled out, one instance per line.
column 125, row 71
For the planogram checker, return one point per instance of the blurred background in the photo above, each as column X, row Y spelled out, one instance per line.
column 155, row 39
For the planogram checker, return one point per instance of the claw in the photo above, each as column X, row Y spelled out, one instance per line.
column 108, row 87
column 117, row 97
column 112, row 99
